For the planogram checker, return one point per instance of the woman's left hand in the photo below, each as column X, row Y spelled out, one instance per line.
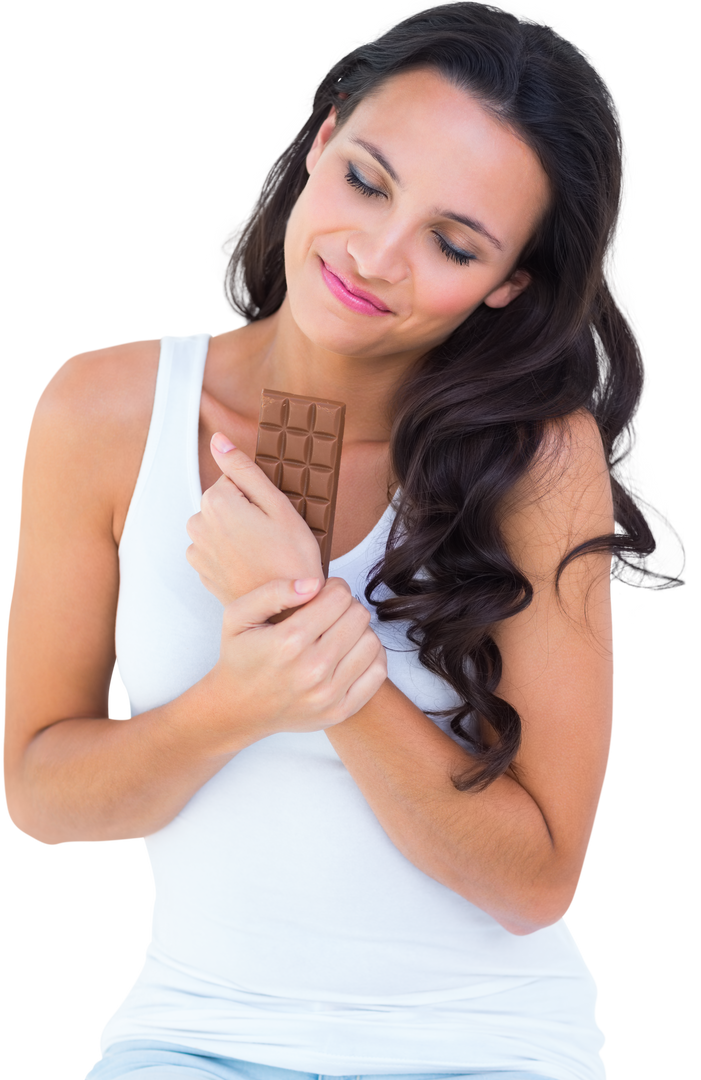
column 247, row 532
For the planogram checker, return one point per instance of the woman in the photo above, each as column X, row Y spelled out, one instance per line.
column 365, row 821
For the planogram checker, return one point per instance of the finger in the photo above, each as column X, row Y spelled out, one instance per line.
column 346, row 632
column 244, row 473
column 313, row 620
column 221, row 443
column 257, row 606
column 192, row 524
column 225, row 485
column 365, row 687
column 358, row 659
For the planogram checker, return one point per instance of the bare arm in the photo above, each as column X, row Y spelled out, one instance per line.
column 515, row 850
column 70, row 772
column 86, row 778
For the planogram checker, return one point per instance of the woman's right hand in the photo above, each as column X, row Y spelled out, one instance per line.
column 306, row 673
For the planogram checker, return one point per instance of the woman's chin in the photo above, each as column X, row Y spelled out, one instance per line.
column 335, row 333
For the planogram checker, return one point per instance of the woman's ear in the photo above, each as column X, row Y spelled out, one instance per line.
column 322, row 137
column 509, row 289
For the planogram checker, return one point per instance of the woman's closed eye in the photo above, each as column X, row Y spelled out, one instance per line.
column 462, row 258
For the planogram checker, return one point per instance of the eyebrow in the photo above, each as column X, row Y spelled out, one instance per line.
column 471, row 223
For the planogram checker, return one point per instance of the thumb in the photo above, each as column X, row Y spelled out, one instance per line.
column 269, row 603
column 294, row 595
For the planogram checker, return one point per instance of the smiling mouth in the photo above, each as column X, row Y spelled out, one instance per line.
column 357, row 300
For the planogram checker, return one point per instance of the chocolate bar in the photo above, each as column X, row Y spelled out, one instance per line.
column 299, row 449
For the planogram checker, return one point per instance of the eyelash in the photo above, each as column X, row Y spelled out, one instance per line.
column 460, row 257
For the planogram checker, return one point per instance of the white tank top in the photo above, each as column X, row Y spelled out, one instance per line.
column 288, row 929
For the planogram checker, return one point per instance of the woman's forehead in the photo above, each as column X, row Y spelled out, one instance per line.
column 444, row 146
column 420, row 97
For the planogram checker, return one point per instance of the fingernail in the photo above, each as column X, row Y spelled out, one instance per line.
column 305, row 585
column 221, row 443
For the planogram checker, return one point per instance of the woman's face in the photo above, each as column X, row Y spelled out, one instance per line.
column 422, row 200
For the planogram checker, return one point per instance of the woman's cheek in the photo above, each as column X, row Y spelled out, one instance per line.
column 314, row 216
column 447, row 303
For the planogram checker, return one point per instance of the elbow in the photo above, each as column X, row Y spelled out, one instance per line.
column 21, row 816
column 23, row 829
column 520, row 927
column 536, row 912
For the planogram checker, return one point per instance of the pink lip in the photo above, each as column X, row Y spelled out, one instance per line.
column 354, row 298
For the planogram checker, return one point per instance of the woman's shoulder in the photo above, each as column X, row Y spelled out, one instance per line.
column 573, row 439
column 563, row 499
column 95, row 414
column 103, row 379
column 570, row 454
column 104, row 385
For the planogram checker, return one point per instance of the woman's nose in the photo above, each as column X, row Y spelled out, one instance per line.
column 379, row 253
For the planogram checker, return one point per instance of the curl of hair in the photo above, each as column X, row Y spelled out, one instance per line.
column 469, row 419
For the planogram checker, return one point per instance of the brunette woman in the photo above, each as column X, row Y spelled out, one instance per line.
column 366, row 821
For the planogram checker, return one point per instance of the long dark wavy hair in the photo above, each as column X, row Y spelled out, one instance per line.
column 471, row 416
